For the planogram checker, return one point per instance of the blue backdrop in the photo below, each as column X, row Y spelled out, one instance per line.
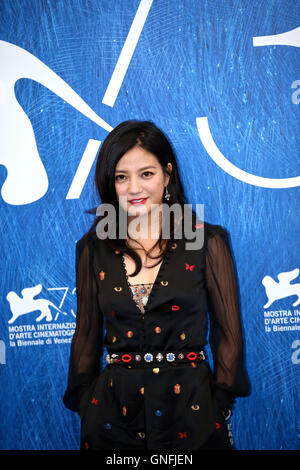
column 222, row 79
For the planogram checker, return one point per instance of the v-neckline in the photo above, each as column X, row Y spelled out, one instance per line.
column 157, row 279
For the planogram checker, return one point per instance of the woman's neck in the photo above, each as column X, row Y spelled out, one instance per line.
column 146, row 227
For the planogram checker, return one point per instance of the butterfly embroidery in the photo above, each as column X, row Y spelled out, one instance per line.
column 94, row 401
column 182, row 434
column 189, row 266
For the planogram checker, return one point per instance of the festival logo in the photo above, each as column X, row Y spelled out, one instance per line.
column 47, row 323
column 283, row 288
column 286, row 319
column 27, row 304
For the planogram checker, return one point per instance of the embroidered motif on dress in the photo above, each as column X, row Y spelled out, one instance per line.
column 141, row 294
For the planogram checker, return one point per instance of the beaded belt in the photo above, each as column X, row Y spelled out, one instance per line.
column 155, row 358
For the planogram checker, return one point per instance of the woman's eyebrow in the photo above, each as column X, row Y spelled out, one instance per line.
column 140, row 169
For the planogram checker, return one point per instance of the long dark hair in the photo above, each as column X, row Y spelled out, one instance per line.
column 120, row 140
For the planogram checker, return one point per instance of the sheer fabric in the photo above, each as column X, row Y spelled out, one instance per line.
column 86, row 346
column 225, row 327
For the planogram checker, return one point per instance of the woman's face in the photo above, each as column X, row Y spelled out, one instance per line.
column 139, row 178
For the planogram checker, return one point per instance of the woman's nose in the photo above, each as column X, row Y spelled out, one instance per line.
column 135, row 186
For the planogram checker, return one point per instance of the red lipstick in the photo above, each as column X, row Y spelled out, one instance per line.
column 137, row 202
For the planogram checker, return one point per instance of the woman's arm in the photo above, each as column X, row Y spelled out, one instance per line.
column 230, row 378
column 86, row 347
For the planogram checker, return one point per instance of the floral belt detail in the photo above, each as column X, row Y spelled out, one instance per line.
column 150, row 358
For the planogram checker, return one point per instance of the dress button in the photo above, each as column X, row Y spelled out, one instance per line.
column 182, row 336
column 148, row 357
column 158, row 412
column 107, row 426
column 129, row 334
column 159, row 357
column 157, row 329
column 170, row 357
column 156, row 370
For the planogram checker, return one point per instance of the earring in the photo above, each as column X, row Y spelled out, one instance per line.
column 167, row 195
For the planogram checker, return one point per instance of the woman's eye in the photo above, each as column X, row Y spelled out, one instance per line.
column 118, row 176
column 122, row 177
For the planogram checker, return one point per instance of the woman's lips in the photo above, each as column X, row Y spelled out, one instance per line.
column 137, row 202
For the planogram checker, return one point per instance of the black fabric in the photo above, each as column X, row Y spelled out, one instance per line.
column 190, row 283
column 86, row 347
column 226, row 339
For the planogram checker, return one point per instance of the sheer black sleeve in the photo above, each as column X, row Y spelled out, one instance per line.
column 226, row 341
column 86, row 346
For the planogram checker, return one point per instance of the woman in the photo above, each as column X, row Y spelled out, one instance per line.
column 144, row 298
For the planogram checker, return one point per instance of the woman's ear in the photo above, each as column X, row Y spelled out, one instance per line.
column 169, row 170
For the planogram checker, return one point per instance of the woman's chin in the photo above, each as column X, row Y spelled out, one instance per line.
column 137, row 211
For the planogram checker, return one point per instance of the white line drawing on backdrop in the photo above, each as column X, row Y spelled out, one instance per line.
column 83, row 169
column 27, row 180
column 289, row 38
column 216, row 155
column 127, row 53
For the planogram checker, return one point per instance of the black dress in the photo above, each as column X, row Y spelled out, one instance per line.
column 156, row 390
